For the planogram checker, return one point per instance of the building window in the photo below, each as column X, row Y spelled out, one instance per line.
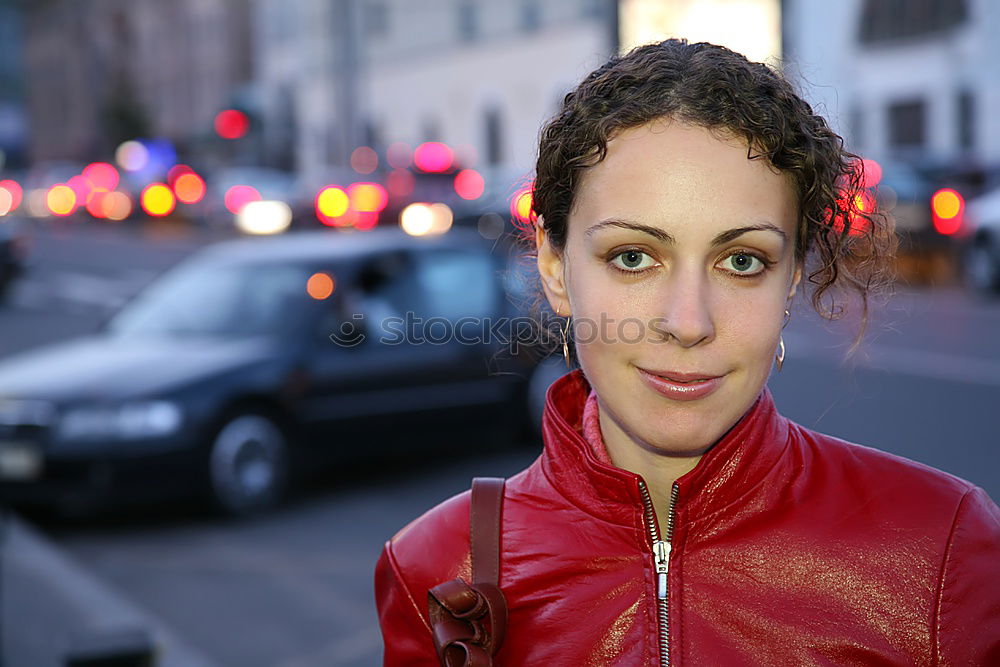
column 376, row 18
column 907, row 123
column 371, row 134
column 494, row 137
column 890, row 20
column 966, row 113
column 530, row 15
column 468, row 21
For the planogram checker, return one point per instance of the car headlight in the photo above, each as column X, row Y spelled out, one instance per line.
column 146, row 419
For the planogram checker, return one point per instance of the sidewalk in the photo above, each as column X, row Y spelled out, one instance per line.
column 50, row 606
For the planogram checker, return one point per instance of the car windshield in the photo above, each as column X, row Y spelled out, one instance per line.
column 224, row 301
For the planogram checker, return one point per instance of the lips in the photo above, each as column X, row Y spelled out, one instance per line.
column 681, row 386
column 678, row 376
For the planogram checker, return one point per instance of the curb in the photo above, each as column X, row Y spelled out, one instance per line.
column 51, row 606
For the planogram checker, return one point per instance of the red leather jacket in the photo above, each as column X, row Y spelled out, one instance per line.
column 788, row 547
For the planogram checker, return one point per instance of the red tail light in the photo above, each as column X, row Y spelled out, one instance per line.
column 947, row 209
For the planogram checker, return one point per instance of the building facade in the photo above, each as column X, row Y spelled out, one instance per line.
column 915, row 81
column 104, row 71
column 480, row 76
column 13, row 121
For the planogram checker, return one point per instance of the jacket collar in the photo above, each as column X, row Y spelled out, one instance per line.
column 730, row 470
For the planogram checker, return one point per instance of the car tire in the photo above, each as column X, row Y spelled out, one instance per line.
column 248, row 464
column 981, row 266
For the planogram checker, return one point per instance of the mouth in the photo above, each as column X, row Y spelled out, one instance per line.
column 682, row 377
column 681, row 385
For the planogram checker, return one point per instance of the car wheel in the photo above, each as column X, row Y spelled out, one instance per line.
column 248, row 464
column 981, row 267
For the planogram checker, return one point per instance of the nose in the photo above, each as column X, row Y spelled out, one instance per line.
column 686, row 307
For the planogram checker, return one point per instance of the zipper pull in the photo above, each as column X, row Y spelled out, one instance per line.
column 661, row 555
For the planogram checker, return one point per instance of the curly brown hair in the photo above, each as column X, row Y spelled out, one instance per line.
column 848, row 244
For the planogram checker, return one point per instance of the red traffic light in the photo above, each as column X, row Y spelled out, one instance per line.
column 231, row 124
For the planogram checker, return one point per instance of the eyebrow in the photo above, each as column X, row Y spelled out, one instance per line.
column 664, row 237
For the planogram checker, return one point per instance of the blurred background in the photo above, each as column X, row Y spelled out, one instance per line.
column 205, row 204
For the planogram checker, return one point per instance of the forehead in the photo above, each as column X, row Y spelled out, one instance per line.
column 668, row 173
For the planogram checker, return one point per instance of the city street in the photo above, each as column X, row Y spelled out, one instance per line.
column 294, row 589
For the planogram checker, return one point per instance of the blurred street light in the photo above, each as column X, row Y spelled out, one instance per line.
column 331, row 204
column 189, row 188
column 421, row 219
column 61, row 200
column 132, row 156
column 433, row 157
column 15, row 192
column 364, row 160
column 231, row 124
column 947, row 206
column 157, row 200
column 469, row 184
column 239, row 196
column 264, row 217
column 520, row 206
column 320, row 285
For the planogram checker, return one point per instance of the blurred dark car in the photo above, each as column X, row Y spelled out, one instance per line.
column 905, row 194
column 13, row 252
column 270, row 184
column 260, row 358
column 981, row 247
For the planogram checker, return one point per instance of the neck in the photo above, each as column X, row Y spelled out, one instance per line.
column 658, row 468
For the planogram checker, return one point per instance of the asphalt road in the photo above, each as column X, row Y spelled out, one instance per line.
column 295, row 588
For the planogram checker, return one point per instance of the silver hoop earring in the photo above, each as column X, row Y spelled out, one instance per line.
column 780, row 357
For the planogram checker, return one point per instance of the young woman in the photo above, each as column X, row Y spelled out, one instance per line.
column 684, row 196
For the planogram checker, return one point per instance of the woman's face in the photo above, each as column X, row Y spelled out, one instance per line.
column 679, row 259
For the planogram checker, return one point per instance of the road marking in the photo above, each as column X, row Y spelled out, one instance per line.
column 78, row 288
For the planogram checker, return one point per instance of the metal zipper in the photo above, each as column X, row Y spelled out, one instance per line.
column 661, row 559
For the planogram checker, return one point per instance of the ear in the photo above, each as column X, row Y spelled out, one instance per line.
column 796, row 278
column 551, row 270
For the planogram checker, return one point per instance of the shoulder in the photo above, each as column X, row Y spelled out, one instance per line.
column 434, row 547
column 869, row 473
column 430, row 550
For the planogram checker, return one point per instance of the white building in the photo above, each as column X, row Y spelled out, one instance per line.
column 97, row 71
column 480, row 76
column 916, row 80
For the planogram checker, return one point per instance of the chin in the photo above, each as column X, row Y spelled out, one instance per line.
column 692, row 425
column 684, row 429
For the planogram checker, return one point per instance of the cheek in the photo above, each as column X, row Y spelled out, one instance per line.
column 749, row 325
column 600, row 304
column 595, row 294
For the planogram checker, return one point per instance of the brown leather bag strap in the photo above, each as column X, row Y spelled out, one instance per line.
column 484, row 529
column 469, row 621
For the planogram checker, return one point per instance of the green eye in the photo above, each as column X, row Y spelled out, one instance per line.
column 744, row 263
column 632, row 260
